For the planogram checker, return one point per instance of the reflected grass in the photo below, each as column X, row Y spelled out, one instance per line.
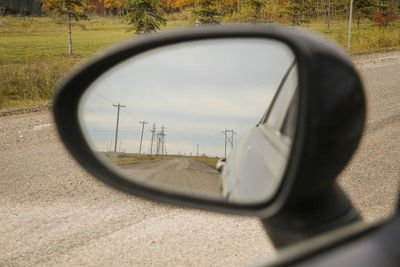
column 116, row 158
column 212, row 162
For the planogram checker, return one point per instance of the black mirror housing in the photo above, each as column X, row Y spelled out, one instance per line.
column 331, row 116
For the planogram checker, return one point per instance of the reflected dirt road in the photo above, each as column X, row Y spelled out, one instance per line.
column 182, row 174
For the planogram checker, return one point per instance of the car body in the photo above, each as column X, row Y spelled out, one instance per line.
column 308, row 217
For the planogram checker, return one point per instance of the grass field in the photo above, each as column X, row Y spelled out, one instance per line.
column 33, row 50
column 29, row 40
column 366, row 39
column 33, row 54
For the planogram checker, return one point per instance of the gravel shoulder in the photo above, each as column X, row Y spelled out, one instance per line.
column 374, row 60
column 54, row 213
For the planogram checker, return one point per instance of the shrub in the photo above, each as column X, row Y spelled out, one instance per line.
column 384, row 19
column 30, row 83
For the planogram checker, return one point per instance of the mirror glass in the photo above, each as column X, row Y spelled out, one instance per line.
column 211, row 118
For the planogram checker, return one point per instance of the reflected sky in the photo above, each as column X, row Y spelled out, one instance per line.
column 195, row 90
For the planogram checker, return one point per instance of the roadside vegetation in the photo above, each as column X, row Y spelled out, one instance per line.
column 212, row 162
column 36, row 52
column 117, row 158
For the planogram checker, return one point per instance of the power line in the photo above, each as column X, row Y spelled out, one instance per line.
column 102, row 97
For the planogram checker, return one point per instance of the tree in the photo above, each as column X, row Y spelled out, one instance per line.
column 117, row 5
column 296, row 10
column 144, row 16
column 71, row 10
column 396, row 6
column 329, row 8
column 206, row 12
column 181, row 4
column 363, row 8
column 385, row 14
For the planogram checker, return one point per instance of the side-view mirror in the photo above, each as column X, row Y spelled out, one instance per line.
column 244, row 120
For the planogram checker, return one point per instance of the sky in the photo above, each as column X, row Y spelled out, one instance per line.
column 196, row 90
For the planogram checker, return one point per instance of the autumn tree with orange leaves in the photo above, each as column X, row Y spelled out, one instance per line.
column 180, row 4
column 118, row 5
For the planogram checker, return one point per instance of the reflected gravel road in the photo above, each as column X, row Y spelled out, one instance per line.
column 54, row 213
column 184, row 175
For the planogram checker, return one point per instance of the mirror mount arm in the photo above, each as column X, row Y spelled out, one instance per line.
column 335, row 121
column 305, row 217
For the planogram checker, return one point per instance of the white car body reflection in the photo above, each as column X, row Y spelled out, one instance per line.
column 255, row 167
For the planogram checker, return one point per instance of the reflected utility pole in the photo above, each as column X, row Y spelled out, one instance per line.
column 162, row 135
column 161, row 141
column 153, row 132
column 141, row 136
column 116, row 131
column 228, row 139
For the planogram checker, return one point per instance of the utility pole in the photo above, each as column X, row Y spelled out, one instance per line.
column 116, row 130
column 224, row 132
column 141, row 136
column 350, row 18
column 158, row 144
column 153, row 132
column 161, row 141
column 228, row 139
column 197, row 149
column 162, row 136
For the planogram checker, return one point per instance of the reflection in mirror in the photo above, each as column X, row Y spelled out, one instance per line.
column 212, row 118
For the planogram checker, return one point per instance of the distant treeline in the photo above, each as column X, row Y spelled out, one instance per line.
column 24, row 7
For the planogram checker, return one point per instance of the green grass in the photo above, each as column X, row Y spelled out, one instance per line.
column 31, row 40
column 45, row 38
column 366, row 39
column 33, row 54
column 33, row 50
